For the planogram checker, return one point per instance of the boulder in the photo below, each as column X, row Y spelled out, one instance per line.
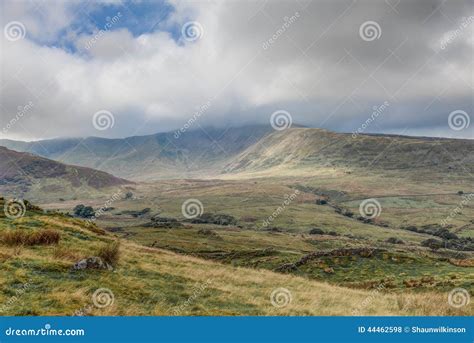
column 93, row 262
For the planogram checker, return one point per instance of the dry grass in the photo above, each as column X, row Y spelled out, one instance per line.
column 29, row 238
column 254, row 287
column 110, row 253
column 66, row 253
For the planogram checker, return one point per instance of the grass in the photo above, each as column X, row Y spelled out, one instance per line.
column 159, row 270
column 151, row 281
column 110, row 253
column 20, row 237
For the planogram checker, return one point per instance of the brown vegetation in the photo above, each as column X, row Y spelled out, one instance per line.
column 110, row 253
column 23, row 237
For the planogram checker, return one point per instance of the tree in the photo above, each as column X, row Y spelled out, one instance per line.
column 84, row 211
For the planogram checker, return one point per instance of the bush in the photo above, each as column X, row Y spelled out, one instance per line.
column 84, row 211
column 432, row 243
column 395, row 240
column 110, row 253
column 218, row 219
column 29, row 238
column 316, row 231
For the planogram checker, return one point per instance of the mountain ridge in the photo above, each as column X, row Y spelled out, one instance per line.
column 213, row 152
column 21, row 173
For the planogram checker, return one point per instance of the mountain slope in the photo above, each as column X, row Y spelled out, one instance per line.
column 150, row 281
column 307, row 149
column 21, row 173
column 246, row 151
column 197, row 153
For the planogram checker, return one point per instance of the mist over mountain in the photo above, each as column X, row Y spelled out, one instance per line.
column 212, row 152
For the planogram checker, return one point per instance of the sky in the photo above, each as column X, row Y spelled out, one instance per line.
column 124, row 68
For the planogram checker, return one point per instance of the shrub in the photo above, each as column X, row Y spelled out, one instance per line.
column 110, row 253
column 316, row 231
column 432, row 243
column 29, row 238
column 84, row 211
column 211, row 218
column 395, row 240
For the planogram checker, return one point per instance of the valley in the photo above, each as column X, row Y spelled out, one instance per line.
column 331, row 218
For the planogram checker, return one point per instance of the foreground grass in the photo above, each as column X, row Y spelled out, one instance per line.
column 38, row 280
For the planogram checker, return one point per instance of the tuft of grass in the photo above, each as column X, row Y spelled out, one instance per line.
column 110, row 253
column 30, row 238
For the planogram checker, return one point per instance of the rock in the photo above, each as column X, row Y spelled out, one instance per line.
column 93, row 262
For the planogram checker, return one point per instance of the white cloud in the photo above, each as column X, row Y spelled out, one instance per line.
column 319, row 69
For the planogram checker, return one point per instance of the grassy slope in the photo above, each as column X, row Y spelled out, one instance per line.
column 268, row 250
column 251, row 201
column 36, row 178
column 152, row 281
column 299, row 149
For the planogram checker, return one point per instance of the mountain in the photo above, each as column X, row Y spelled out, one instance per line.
column 24, row 173
column 252, row 150
column 305, row 149
column 198, row 153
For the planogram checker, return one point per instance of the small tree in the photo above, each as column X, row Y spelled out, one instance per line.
column 84, row 211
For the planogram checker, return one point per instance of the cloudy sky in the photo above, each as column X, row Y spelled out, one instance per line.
column 123, row 68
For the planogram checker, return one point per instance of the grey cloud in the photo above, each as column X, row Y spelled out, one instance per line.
column 250, row 61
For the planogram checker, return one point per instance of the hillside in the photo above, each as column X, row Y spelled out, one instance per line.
column 37, row 278
column 302, row 149
column 253, row 151
column 25, row 174
column 195, row 153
